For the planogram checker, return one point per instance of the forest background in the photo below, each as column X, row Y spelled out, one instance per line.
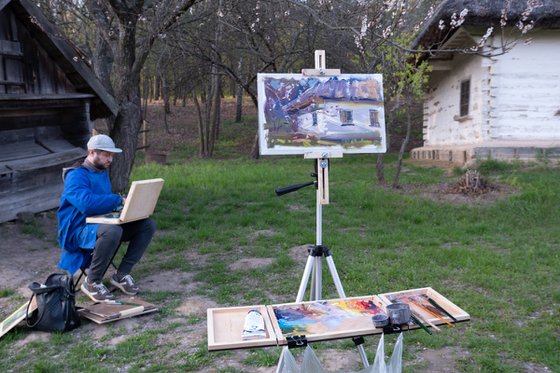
column 199, row 51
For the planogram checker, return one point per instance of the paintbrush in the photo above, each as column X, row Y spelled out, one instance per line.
column 420, row 318
column 420, row 324
column 436, row 305
column 432, row 313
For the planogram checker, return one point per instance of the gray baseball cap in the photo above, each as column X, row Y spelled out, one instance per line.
column 102, row 142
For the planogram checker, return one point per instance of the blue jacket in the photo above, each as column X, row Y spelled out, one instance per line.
column 86, row 193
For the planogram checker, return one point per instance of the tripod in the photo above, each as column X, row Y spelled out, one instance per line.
column 314, row 265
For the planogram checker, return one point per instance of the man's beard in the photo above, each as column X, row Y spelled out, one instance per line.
column 99, row 165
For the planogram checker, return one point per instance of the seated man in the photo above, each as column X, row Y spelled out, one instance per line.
column 87, row 192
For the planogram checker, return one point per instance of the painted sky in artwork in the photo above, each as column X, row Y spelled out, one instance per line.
column 323, row 317
column 344, row 111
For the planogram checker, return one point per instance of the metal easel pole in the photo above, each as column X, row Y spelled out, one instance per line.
column 313, row 266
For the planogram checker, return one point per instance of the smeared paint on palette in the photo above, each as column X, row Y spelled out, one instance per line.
column 321, row 317
column 417, row 298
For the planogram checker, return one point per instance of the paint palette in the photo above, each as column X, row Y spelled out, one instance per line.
column 326, row 319
column 322, row 319
column 428, row 304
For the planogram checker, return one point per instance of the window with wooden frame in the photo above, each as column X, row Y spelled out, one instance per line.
column 465, row 98
column 346, row 117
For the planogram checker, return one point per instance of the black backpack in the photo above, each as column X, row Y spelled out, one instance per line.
column 56, row 306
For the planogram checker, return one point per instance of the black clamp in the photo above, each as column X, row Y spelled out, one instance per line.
column 319, row 250
column 358, row 340
column 392, row 328
column 297, row 341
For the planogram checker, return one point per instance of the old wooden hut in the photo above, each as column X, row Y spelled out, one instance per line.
column 49, row 97
column 506, row 107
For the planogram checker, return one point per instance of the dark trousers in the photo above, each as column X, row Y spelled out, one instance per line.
column 137, row 233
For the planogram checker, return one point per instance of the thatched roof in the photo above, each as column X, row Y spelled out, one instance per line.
column 65, row 54
column 337, row 89
column 484, row 14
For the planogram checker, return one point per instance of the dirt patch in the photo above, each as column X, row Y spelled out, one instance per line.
column 535, row 368
column 262, row 233
column 33, row 337
column 196, row 306
column 333, row 360
column 250, row 263
column 442, row 360
column 174, row 281
column 29, row 252
column 295, row 207
column 448, row 192
column 300, row 253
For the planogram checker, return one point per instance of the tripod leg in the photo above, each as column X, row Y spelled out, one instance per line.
column 334, row 275
column 280, row 366
column 305, row 278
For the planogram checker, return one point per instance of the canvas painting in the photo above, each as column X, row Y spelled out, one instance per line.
column 325, row 316
column 301, row 114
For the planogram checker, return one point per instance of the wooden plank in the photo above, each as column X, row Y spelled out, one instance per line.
column 140, row 203
column 121, row 308
column 12, row 82
column 18, row 316
column 334, row 319
column 47, row 97
column 3, row 3
column 46, row 160
column 416, row 296
column 43, row 31
column 10, row 48
column 35, row 200
column 57, row 145
column 225, row 328
column 19, row 150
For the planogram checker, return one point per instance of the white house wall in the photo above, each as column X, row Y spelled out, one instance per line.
column 525, row 101
column 441, row 109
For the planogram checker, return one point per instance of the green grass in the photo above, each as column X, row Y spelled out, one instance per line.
column 500, row 262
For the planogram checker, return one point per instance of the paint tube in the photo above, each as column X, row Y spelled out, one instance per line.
column 254, row 325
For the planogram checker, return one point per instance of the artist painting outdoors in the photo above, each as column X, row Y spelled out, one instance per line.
column 340, row 176
column 87, row 192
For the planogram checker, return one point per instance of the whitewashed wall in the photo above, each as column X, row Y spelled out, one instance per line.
column 514, row 97
column 525, row 99
column 442, row 106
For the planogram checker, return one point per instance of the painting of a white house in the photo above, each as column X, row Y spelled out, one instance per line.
column 300, row 114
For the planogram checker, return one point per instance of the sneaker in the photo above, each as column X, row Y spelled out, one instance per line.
column 96, row 291
column 126, row 284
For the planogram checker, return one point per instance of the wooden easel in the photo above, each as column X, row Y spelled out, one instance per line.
column 314, row 264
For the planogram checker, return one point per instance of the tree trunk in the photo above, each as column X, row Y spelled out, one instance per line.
column 116, row 22
column 126, row 87
column 125, row 134
column 165, row 94
column 402, row 149
column 216, row 110
column 255, row 148
column 201, row 132
column 239, row 94
column 380, row 167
